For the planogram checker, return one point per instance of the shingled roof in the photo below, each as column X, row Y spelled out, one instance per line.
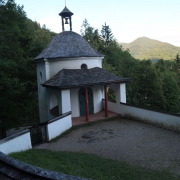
column 68, row 44
column 65, row 12
column 72, row 78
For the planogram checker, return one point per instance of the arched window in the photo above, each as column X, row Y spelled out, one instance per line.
column 111, row 95
column 83, row 66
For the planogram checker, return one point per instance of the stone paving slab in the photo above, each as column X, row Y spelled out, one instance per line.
column 125, row 140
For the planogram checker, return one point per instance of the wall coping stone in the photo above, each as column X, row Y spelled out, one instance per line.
column 155, row 110
column 31, row 170
column 52, row 120
column 59, row 117
column 14, row 136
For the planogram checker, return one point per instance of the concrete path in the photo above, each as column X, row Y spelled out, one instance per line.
column 125, row 140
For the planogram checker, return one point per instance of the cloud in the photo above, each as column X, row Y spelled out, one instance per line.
column 52, row 22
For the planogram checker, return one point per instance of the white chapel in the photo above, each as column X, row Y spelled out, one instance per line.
column 70, row 76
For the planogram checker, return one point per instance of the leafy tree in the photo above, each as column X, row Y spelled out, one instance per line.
column 177, row 68
column 111, row 95
column 177, row 64
column 84, row 27
column 108, row 67
column 150, row 92
column 106, row 34
column 91, row 35
column 20, row 41
column 171, row 92
column 12, row 41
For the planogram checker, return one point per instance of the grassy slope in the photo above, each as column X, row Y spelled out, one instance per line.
column 89, row 166
column 145, row 48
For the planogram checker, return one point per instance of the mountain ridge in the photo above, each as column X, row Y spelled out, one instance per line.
column 146, row 48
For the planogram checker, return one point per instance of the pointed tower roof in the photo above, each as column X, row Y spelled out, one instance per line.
column 65, row 12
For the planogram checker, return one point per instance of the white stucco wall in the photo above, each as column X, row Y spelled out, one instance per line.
column 16, row 144
column 56, row 128
column 112, row 106
column 149, row 116
column 66, row 101
column 116, row 89
column 163, row 119
column 73, row 63
column 97, row 98
column 47, row 69
column 74, row 94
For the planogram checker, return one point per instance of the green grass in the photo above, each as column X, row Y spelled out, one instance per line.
column 89, row 166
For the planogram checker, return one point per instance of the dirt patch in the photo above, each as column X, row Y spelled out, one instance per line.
column 100, row 135
column 125, row 140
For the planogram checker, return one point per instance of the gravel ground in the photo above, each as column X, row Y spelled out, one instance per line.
column 125, row 140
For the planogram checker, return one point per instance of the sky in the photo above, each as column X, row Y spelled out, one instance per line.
column 128, row 19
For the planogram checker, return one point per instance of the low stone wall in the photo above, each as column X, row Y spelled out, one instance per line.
column 58, row 125
column 17, row 142
column 162, row 119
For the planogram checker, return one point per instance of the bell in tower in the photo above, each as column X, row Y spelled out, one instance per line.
column 66, row 16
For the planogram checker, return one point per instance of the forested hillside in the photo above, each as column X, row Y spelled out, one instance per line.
column 152, row 85
column 146, row 48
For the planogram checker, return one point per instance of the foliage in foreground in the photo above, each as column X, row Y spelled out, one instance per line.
column 89, row 166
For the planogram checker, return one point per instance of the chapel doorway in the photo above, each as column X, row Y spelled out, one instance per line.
column 82, row 101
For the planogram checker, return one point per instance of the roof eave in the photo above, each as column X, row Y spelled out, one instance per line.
column 86, row 85
column 66, row 57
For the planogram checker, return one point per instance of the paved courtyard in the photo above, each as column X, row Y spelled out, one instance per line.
column 125, row 140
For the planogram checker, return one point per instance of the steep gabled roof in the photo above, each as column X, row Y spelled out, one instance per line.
column 68, row 44
column 72, row 78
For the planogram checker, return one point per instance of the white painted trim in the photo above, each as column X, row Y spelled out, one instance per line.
column 75, row 58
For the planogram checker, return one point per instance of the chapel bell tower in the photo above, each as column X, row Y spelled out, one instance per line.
column 66, row 16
